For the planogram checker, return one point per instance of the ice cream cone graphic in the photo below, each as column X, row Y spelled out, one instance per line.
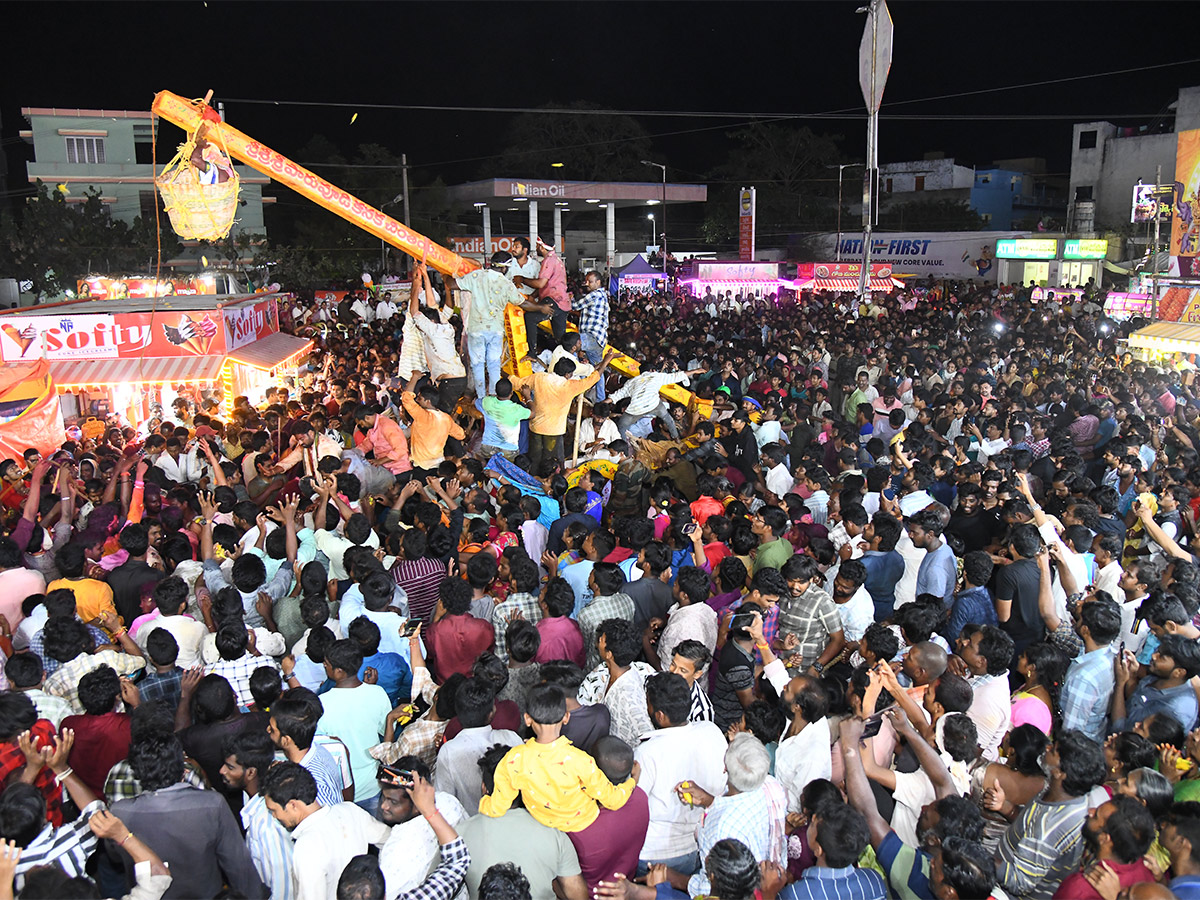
column 185, row 334
column 23, row 339
column 206, row 330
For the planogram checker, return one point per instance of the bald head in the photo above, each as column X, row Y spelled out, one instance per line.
column 927, row 662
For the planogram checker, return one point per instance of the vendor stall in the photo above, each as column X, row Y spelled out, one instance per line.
column 129, row 356
column 844, row 276
column 637, row 274
column 697, row 277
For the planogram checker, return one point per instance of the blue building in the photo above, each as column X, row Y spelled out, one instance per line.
column 1017, row 194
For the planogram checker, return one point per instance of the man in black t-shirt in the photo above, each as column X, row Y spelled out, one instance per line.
column 1017, row 587
column 971, row 522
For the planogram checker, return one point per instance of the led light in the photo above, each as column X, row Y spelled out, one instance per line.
column 592, row 201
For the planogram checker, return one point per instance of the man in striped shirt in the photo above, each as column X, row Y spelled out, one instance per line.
column 690, row 659
column 246, row 755
column 1044, row 842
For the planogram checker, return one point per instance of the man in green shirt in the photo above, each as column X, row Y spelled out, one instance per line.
column 862, row 393
column 770, row 524
column 502, row 418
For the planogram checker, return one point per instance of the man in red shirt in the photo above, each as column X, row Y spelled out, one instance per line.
column 102, row 734
column 610, row 845
column 1116, row 835
column 455, row 639
column 13, row 490
column 18, row 715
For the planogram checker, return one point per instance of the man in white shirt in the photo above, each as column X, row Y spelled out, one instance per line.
column 171, row 596
column 413, row 850
column 458, row 760
column 644, row 398
column 988, row 655
column 778, row 479
column 804, row 753
column 525, row 266
column 598, row 430
column 678, row 750
column 385, row 308
column 363, row 309
column 325, row 838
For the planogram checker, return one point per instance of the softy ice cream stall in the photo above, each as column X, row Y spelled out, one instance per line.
column 127, row 356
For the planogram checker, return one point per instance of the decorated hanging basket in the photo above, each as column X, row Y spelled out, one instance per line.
column 198, row 210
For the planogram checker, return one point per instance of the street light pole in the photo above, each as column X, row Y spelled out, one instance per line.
column 841, row 167
column 382, row 242
column 663, row 249
column 653, row 229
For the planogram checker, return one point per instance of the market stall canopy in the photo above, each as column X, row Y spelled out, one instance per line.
column 1168, row 337
column 636, row 270
column 848, row 284
column 271, row 352
column 78, row 373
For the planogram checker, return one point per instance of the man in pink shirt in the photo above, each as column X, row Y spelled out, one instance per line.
column 560, row 634
column 385, row 438
column 551, row 285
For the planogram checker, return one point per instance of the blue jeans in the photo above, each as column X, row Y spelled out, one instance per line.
column 685, row 865
column 485, row 347
column 594, row 351
column 371, row 805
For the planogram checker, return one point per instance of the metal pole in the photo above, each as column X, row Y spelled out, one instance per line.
column 1154, row 249
column 664, row 237
column 841, row 169
column 404, row 183
column 872, row 161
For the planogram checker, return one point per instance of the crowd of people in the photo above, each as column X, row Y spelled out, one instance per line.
column 902, row 602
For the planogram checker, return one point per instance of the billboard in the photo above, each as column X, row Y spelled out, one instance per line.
column 1185, row 226
column 1151, row 200
column 138, row 334
column 101, row 287
column 926, row 254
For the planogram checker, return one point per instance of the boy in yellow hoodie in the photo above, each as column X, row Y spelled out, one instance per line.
column 559, row 783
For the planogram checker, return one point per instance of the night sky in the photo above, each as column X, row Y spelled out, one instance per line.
column 792, row 58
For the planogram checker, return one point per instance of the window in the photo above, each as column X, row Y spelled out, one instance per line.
column 920, row 185
column 85, row 150
column 143, row 152
column 889, row 186
column 1087, row 140
column 985, row 179
column 986, row 218
column 147, row 200
column 1083, row 192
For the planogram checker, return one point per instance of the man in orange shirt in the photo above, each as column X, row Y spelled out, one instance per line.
column 552, row 396
column 430, row 427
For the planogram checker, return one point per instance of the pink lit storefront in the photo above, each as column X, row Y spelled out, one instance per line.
column 130, row 356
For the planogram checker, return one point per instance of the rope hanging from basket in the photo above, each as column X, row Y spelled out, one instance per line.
column 199, row 210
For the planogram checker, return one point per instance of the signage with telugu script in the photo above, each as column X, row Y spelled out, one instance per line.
column 1027, row 248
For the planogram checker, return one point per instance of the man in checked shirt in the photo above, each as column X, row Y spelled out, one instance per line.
column 810, row 627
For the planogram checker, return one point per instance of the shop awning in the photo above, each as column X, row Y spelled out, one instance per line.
column 1168, row 337
column 849, row 284
column 145, row 370
column 272, row 351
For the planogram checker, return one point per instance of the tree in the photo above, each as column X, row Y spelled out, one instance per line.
column 52, row 243
column 593, row 146
column 374, row 175
column 788, row 166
